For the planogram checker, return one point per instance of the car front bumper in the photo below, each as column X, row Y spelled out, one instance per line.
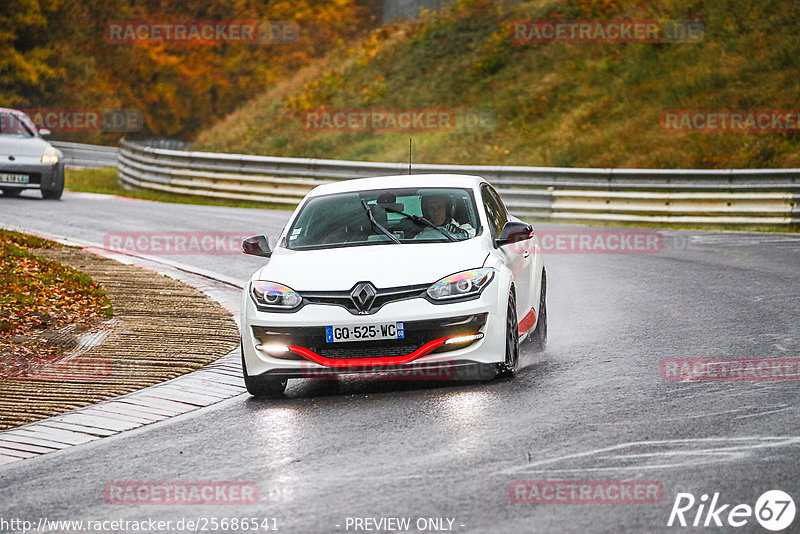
column 40, row 175
column 421, row 354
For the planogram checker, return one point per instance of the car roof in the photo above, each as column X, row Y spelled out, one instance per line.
column 401, row 180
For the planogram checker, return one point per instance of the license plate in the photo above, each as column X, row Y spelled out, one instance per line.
column 369, row 332
column 14, row 178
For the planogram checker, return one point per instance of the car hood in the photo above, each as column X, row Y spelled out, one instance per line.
column 31, row 146
column 339, row 269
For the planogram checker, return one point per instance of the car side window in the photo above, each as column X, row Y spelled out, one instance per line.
column 495, row 211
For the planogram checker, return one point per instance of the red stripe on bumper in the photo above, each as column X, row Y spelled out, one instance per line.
column 427, row 348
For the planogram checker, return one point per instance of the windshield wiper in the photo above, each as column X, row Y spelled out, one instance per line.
column 422, row 221
column 378, row 225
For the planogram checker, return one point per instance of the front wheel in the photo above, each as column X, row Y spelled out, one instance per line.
column 511, row 362
column 52, row 194
column 539, row 336
column 56, row 192
column 263, row 385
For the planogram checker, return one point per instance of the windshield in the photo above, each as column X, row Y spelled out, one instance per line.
column 14, row 125
column 411, row 215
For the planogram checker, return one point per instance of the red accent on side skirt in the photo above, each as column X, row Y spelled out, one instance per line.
column 527, row 322
column 365, row 362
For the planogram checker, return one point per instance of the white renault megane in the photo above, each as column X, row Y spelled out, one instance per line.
column 384, row 275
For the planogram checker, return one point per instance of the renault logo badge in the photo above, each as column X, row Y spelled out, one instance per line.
column 363, row 295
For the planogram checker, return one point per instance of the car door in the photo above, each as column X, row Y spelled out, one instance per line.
column 516, row 256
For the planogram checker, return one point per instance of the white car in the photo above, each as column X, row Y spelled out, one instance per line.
column 27, row 161
column 394, row 274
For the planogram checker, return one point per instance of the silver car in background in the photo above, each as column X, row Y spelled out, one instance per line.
column 27, row 161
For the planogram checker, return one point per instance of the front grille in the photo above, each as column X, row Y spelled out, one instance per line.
column 376, row 349
column 417, row 334
column 383, row 297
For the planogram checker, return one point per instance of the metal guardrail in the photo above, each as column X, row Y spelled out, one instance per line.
column 689, row 197
column 82, row 155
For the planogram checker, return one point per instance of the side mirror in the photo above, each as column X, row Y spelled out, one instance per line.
column 514, row 232
column 44, row 132
column 256, row 246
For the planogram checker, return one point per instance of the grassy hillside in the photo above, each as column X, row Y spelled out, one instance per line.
column 563, row 104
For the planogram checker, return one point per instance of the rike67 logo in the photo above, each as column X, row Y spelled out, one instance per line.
column 774, row 511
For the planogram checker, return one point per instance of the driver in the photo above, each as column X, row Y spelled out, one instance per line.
column 439, row 209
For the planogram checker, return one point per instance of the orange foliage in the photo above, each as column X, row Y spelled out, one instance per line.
column 179, row 87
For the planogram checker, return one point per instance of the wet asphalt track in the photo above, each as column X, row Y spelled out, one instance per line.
column 592, row 407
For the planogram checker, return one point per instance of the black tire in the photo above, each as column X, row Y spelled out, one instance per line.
column 52, row 194
column 509, row 366
column 539, row 336
column 58, row 189
column 263, row 385
column 12, row 192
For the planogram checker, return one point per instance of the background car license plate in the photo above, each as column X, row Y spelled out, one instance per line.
column 14, row 178
column 336, row 334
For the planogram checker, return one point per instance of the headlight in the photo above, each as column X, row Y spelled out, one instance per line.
column 50, row 155
column 463, row 284
column 272, row 295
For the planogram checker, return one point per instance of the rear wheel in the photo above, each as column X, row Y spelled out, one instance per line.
column 539, row 336
column 263, row 385
column 511, row 362
column 12, row 192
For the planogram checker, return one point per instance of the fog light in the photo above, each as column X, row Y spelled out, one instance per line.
column 275, row 350
column 464, row 339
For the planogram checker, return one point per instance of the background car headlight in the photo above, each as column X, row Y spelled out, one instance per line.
column 463, row 284
column 272, row 295
column 50, row 155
